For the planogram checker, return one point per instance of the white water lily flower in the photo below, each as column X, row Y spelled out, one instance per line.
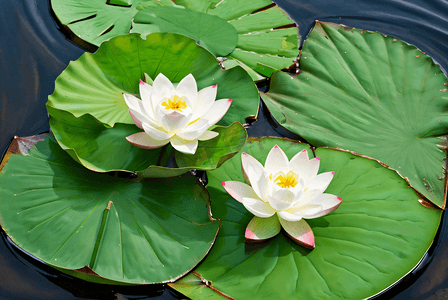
column 282, row 194
column 178, row 115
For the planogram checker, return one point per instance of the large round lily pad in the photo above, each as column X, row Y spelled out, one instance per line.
column 371, row 94
column 377, row 235
column 151, row 231
column 94, row 84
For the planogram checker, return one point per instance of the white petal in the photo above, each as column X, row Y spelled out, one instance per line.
column 276, row 161
column 142, row 119
column 184, row 146
column 161, row 88
column 136, row 107
column 156, row 133
column 258, row 207
column 238, row 190
column 321, row 181
column 206, row 98
column 247, row 159
column 208, row 135
column 289, row 216
column 187, row 87
column 305, row 210
column 136, row 120
column 281, row 200
column 194, row 131
column 133, row 103
column 258, row 180
column 142, row 140
column 300, row 232
column 307, row 169
column 217, row 111
column 145, row 94
column 173, row 122
column 329, row 203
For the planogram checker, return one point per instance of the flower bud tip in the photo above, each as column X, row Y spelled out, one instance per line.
column 223, row 183
column 332, row 173
column 230, row 100
column 318, row 158
column 339, row 198
column 142, row 82
column 214, row 86
column 276, row 146
column 304, row 150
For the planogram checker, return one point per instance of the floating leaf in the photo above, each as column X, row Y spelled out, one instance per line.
column 371, row 94
column 94, row 83
column 377, row 235
column 105, row 149
column 267, row 38
column 129, row 232
column 211, row 32
column 96, row 21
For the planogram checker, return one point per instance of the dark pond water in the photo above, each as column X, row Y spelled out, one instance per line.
column 33, row 52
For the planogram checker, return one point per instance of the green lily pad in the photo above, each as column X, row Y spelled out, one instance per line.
column 266, row 39
column 96, row 21
column 103, row 149
column 371, row 94
column 211, row 32
column 94, row 83
column 151, row 231
column 378, row 234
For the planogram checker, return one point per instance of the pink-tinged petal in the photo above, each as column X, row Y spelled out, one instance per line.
column 208, row 135
column 206, row 98
column 329, row 204
column 238, row 190
column 162, row 88
column 142, row 140
column 321, row 181
column 258, row 180
column 155, row 133
column 143, row 119
column 260, row 229
column 187, row 87
column 217, row 111
column 300, row 232
column 194, row 131
column 276, row 161
column 247, row 159
column 281, row 199
column 258, row 207
column 313, row 168
column 137, row 122
column 184, row 146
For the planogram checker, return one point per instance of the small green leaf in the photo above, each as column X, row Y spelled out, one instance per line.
column 144, row 232
column 214, row 152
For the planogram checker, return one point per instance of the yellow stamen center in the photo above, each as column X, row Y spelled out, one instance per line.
column 290, row 180
column 175, row 103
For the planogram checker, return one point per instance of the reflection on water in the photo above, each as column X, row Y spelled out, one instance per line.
column 34, row 52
